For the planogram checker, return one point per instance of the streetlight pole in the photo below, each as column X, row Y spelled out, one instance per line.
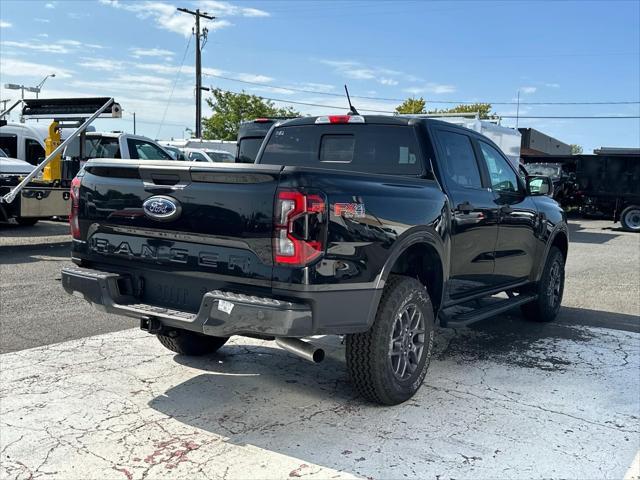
column 39, row 87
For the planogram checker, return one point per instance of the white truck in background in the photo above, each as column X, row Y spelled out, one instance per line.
column 508, row 139
column 200, row 144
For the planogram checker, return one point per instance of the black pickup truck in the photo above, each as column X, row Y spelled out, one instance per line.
column 370, row 227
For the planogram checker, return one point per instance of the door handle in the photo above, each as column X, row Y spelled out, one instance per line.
column 506, row 210
column 465, row 207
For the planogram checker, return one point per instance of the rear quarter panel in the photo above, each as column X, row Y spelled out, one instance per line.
column 358, row 247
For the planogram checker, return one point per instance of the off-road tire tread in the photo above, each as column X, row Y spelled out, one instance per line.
column 536, row 311
column 360, row 347
column 191, row 343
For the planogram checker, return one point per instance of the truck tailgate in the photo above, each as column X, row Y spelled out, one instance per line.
column 221, row 233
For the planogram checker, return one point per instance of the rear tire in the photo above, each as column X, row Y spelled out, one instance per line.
column 630, row 218
column 388, row 363
column 26, row 221
column 194, row 344
column 550, row 289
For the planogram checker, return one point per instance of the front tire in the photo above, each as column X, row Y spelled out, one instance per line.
column 189, row 343
column 550, row 289
column 388, row 363
column 630, row 218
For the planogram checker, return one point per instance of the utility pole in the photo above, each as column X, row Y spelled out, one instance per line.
column 198, row 14
column 134, row 123
column 518, row 110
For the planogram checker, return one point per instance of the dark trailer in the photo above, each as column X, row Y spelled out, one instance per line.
column 610, row 183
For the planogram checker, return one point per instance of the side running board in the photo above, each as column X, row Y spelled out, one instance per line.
column 496, row 308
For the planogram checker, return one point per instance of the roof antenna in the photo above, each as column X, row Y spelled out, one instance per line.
column 352, row 109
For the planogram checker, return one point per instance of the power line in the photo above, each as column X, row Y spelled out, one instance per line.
column 449, row 102
column 584, row 117
column 175, row 82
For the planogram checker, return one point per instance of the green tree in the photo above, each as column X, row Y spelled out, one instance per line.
column 576, row 149
column 412, row 105
column 230, row 109
column 484, row 109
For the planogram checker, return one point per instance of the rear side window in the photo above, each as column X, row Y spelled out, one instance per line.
column 459, row 164
column 248, row 149
column 387, row 149
column 94, row 147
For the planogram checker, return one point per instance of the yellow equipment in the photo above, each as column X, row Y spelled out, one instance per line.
column 53, row 169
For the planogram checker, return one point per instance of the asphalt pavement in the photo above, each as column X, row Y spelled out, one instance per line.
column 603, row 285
column 84, row 395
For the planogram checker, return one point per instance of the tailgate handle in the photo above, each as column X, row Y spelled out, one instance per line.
column 165, row 179
column 155, row 177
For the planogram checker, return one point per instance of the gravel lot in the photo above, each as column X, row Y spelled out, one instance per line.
column 503, row 399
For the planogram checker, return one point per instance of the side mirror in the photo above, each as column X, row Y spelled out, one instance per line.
column 538, row 185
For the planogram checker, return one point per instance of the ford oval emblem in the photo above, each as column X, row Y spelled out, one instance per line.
column 162, row 208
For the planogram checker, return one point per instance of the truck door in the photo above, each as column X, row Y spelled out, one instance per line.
column 474, row 214
column 518, row 218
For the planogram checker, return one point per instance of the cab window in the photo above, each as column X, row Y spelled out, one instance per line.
column 33, row 151
column 9, row 143
column 142, row 150
column 503, row 178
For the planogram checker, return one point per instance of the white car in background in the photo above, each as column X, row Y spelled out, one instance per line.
column 12, row 167
column 208, row 155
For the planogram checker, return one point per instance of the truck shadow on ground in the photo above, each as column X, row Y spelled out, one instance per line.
column 264, row 396
column 40, row 229
column 579, row 234
column 39, row 252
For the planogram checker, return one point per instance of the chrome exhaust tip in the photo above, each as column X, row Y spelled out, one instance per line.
column 302, row 349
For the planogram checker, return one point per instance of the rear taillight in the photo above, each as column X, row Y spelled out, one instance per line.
column 298, row 227
column 75, row 208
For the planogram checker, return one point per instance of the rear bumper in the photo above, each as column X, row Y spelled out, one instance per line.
column 223, row 313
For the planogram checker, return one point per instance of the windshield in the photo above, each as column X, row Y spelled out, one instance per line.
column 248, row 149
column 387, row 149
column 175, row 152
column 220, row 156
column 3, row 153
column 542, row 169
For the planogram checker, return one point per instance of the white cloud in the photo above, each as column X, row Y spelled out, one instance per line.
column 59, row 47
column 358, row 71
column 552, row 85
column 150, row 52
column 388, row 81
column 101, row 64
column 251, row 77
column 435, row 88
column 12, row 67
column 227, row 9
column 4, row 24
column 42, row 20
column 528, row 90
column 50, row 5
column 43, row 35
column 40, row 47
column 168, row 18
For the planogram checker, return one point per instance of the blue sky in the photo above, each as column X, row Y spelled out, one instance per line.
column 586, row 51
